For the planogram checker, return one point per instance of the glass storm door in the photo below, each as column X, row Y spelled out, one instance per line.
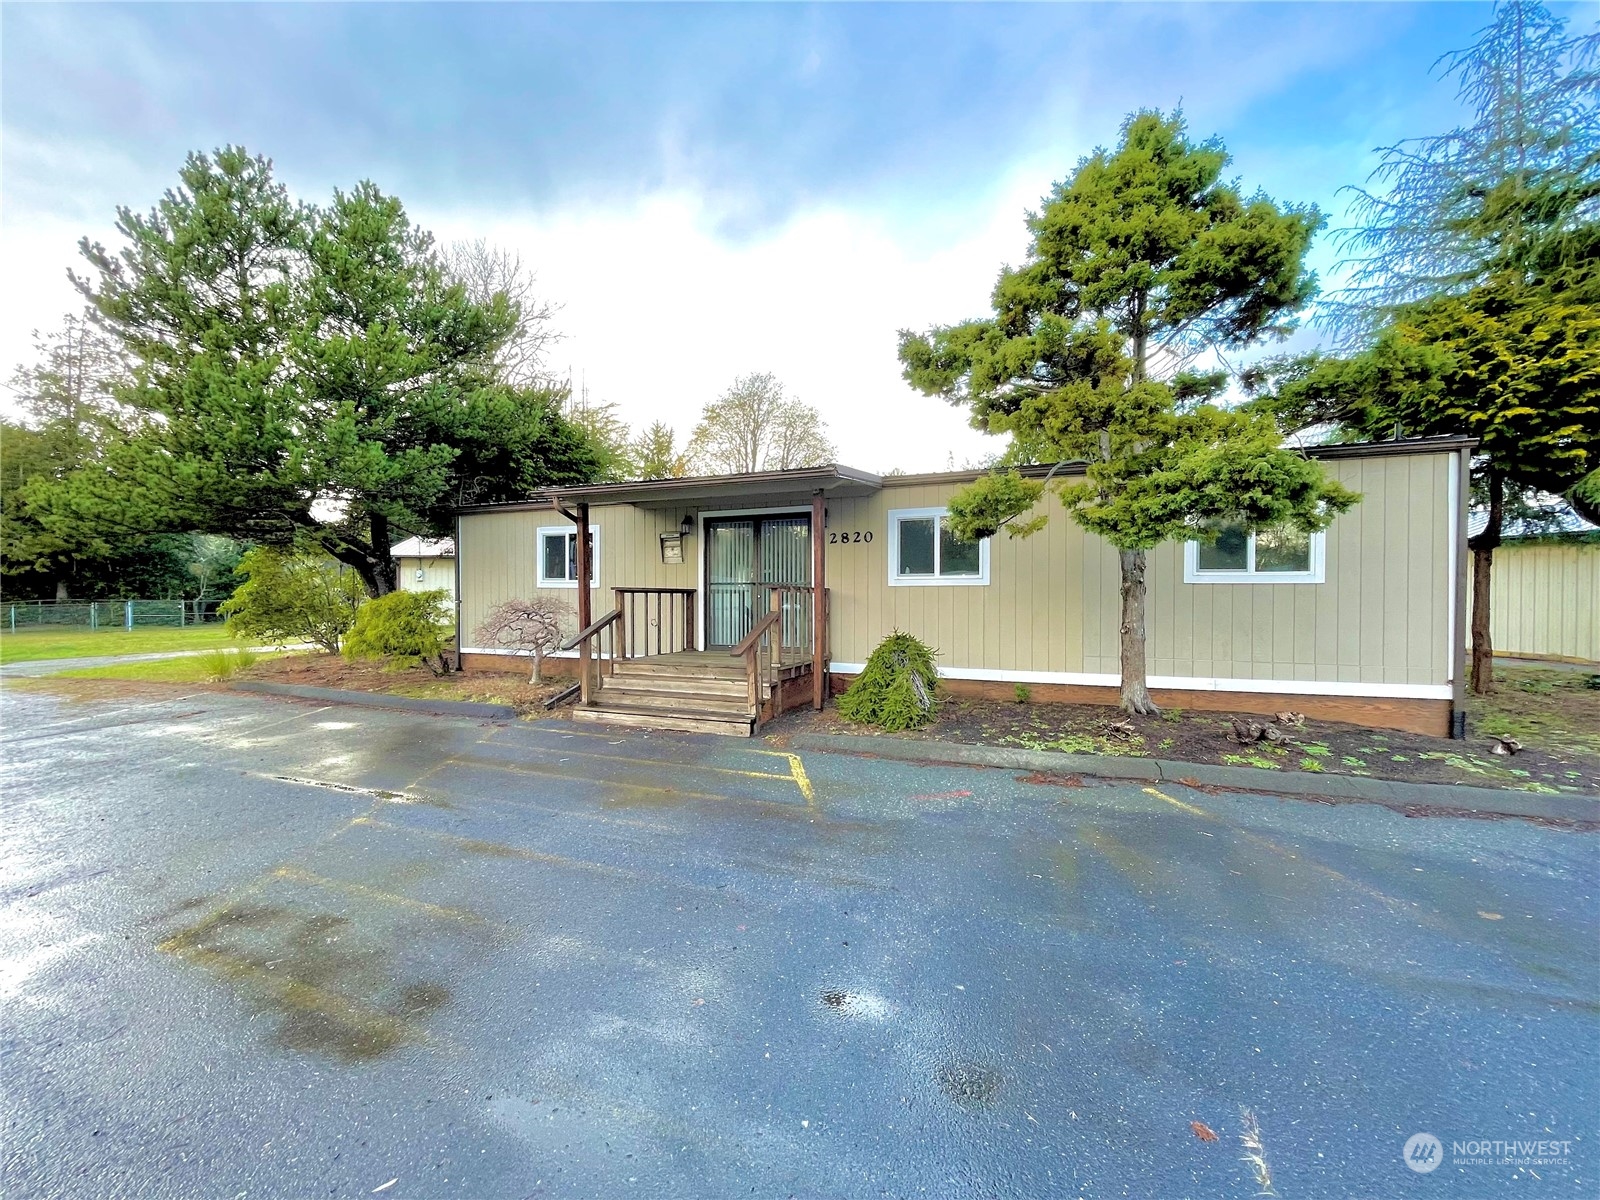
column 745, row 556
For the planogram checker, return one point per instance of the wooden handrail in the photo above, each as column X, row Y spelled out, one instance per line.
column 760, row 627
column 668, row 591
column 584, row 635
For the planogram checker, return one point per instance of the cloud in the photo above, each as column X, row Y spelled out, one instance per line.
column 707, row 190
column 659, row 313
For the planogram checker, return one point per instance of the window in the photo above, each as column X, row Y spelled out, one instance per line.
column 558, row 556
column 923, row 551
column 1281, row 555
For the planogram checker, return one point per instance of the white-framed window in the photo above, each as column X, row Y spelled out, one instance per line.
column 1281, row 555
column 923, row 552
column 558, row 556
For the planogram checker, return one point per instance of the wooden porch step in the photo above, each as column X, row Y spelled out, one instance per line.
column 687, row 703
column 706, row 666
column 688, row 689
column 647, row 718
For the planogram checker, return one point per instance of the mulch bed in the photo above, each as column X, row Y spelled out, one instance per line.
column 1203, row 737
column 333, row 671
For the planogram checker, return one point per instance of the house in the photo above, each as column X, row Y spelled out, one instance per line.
column 1544, row 599
column 424, row 565
column 713, row 603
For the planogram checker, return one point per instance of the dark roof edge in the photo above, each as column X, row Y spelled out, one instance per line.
column 618, row 493
column 1428, row 445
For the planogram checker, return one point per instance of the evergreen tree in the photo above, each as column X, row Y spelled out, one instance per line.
column 303, row 375
column 1144, row 256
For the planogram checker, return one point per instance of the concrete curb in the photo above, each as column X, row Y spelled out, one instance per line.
column 1390, row 793
column 437, row 708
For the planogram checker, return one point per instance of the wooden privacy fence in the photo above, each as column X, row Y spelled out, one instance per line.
column 1545, row 600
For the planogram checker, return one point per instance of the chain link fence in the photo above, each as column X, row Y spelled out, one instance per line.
column 107, row 614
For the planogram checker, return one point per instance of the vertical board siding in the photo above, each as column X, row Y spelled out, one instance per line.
column 1382, row 616
column 437, row 574
column 498, row 555
column 1026, row 619
column 1545, row 600
column 1052, row 603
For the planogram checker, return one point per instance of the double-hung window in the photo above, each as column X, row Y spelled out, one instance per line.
column 558, row 557
column 923, row 551
column 1275, row 555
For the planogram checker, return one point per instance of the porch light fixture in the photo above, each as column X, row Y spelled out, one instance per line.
column 686, row 526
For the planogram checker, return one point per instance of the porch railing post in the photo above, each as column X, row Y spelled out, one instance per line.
column 625, row 607
column 819, row 604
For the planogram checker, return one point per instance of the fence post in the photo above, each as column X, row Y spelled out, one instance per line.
column 13, row 618
column 128, row 617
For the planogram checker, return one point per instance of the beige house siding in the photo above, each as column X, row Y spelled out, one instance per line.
column 437, row 573
column 1024, row 619
column 1545, row 601
column 1381, row 618
column 498, row 554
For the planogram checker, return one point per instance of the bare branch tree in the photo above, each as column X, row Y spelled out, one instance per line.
column 754, row 426
column 486, row 271
column 532, row 626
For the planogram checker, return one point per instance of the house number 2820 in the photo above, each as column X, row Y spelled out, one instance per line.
column 848, row 537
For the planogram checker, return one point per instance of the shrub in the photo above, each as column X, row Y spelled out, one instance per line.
column 1024, row 693
column 222, row 665
column 292, row 598
column 219, row 665
column 402, row 627
column 532, row 625
column 897, row 689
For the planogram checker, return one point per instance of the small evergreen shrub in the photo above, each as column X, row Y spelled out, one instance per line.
column 897, row 689
column 1024, row 693
column 292, row 598
column 402, row 627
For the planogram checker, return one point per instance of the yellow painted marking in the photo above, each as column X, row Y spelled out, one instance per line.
column 293, row 993
column 500, row 849
column 520, row 769
column 676, row 766
column 1188, row 808
column 797, row 772
column 372, row 893
column 1284, row 852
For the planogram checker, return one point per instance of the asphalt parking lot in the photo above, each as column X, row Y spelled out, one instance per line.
column 254, row 948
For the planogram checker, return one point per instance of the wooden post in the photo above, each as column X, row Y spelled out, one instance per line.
column 819, row 607
column 625, row 607
column 585, row 603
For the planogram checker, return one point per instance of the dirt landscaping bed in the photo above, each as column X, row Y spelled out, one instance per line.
column 1555, row 715
column 333, row 671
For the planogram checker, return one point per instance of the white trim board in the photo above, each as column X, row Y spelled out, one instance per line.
column 509, row 652
column 1194, row 683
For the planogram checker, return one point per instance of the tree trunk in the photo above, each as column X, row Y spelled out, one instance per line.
column 538, row 666
column 383, row 569
column 1483, row 548
column 61, row 588
column 1135, row 692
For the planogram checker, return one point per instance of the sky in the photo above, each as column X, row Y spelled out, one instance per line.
column 703, row 190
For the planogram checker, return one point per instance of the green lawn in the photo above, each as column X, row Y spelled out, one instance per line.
column 30, row 645
column 197, row 668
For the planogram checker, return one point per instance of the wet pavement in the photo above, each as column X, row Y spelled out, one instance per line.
column 254, row 948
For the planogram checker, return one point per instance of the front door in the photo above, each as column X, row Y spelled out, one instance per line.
column 744, row 557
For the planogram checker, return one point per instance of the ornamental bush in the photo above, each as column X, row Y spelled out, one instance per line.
column 289, row 598
column 402, row 627
column 897, row 689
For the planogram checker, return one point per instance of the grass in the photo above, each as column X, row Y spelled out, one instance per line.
column 1540, row 706
column 215, row 667
column 32, row 645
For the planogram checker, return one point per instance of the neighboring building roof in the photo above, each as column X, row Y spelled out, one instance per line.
column 415, row 547
column 758, row 488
